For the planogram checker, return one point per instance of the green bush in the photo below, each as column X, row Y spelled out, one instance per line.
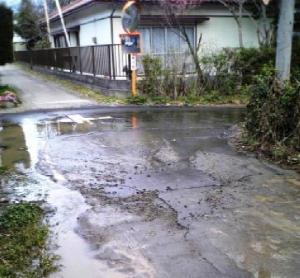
column 249, row 62
column 136, row 100
column 150, row 85
column 228, row 74
column 231, row 69
column 273, row 113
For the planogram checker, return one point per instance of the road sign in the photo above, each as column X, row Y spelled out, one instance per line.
column 131, row 43
column 130, row 17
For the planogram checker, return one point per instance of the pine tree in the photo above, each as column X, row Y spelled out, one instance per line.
column 27, row 25
column 6, row 35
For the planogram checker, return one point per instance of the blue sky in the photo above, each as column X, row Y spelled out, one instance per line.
column 13, row 3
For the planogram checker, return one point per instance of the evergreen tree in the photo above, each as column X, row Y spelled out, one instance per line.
column 27, row 25
column 6, row 35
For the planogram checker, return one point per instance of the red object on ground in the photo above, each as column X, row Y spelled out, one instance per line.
column 8, row 97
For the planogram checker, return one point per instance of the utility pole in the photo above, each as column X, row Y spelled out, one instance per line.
column 285, row 39
column 62, row 22
column 47, row 20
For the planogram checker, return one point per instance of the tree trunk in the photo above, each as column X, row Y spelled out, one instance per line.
column 284, row 39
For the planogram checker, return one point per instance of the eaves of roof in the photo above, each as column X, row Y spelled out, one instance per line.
column 79, row 4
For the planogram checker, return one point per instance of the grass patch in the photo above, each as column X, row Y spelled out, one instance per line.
column 3, row 170
column 213, row 98
column 138, row 100
column 23, row 242
column 4, row 88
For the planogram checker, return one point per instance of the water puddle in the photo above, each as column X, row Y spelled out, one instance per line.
column 23, row 147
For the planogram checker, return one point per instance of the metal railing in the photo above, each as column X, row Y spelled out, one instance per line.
column 103, row 61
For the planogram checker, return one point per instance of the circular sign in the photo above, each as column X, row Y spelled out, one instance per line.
column 130, row 17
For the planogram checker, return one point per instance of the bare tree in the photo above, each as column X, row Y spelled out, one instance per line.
column 256, row 11
column 236, row 8
column 173, row 10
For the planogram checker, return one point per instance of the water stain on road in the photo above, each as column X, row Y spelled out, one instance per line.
column 155, row 194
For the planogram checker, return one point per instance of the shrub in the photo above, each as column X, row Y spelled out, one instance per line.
column 273, row 113
column 136, row 100
column 249, row 62
column 231, row 69
column 150, row 85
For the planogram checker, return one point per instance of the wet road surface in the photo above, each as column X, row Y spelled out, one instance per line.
column 155, row 193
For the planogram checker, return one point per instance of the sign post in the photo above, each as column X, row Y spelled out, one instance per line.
column 130, row 41
column 133, row 75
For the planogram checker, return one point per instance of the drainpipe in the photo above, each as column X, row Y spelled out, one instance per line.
column 112, row 42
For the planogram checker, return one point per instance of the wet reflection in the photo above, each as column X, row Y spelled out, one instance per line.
column 134, row 121
column 13, row 149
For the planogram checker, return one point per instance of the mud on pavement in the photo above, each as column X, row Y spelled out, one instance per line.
column 161, row 194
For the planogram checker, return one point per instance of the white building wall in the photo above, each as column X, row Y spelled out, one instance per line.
column 118, row 29
column 98, row 29
column 73, row 39
column 220, row 32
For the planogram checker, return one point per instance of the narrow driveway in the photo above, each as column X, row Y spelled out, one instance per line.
column 38, row 94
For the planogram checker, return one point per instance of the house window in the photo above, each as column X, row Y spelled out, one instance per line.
column 164, row 40
column 60, row 41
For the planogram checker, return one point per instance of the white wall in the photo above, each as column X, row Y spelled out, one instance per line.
column 99, row 29
column 220, row 32
column 73, row 39
column 93, row 21
column 118, row 29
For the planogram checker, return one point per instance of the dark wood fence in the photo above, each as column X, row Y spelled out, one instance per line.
column 103, row 61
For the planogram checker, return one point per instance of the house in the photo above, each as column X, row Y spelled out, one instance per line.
column 96, row 22
column 96, row 56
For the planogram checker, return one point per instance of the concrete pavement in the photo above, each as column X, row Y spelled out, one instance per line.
column 38, row 94
column 154, row 194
